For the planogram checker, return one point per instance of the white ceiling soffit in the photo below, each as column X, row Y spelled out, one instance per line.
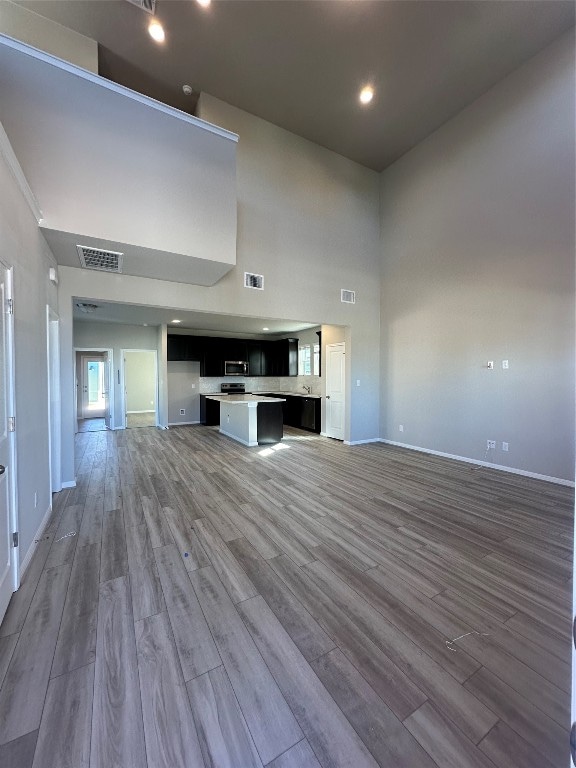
column 200, row 322
column 108, row 168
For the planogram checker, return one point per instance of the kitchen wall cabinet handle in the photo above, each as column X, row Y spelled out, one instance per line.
column 327, row 397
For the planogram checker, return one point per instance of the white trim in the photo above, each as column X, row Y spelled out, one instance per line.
column 12, row 162
column 147, row 411
column 182, row 423
column 499, row 467
column 362, row 442
column 108, row 85
column 69, row 484
column 34, row 544
column 54, row 399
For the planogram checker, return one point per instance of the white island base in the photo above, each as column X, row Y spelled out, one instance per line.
column 240, row 423
column 240, row 418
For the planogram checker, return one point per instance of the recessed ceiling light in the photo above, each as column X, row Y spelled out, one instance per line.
column 204, row 3
column 366, row 94
column 156, row 31
column 175, row 321
column 265, row 329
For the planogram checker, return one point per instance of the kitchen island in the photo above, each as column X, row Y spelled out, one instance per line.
column 250, row 419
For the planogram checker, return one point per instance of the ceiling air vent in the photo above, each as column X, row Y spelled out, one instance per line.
column 348, row 297
column 146, row 5
column 253, row 281
column 103, row 261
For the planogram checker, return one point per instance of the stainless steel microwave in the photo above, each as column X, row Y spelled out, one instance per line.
column 236, row 368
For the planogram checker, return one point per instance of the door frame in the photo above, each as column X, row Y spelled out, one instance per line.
column 54, row 404
column 324, row 433
column 110, row 382
column 122, row 383
column 11, row 411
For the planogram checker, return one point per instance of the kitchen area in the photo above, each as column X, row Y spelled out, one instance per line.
column 251, row 388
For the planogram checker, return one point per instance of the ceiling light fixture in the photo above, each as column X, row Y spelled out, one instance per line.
column 265, row 329
column 175, row 321
column 366, row 94
column 204, row 3
column 156, row 31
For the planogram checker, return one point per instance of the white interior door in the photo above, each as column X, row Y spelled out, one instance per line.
column 335, row 390
column 8, row 554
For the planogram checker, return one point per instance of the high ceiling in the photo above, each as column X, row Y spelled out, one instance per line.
column 301, row 63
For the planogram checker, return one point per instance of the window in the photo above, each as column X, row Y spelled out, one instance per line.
column 316, row 360
column 304, row 360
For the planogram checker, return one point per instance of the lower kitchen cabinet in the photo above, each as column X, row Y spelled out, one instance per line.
column 301, row 412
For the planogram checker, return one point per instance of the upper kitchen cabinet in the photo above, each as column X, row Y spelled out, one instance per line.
column 115, row 171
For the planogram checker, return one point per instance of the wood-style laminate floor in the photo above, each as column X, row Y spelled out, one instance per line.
column 309, row 604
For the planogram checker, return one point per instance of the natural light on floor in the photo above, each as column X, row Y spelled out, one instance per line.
column 270, row 451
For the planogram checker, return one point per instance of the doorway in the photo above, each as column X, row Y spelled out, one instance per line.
column 335, row 390
column 94, row 389
column 9, row 571
column 140, row 387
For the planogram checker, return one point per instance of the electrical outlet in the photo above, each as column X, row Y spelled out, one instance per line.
column 490, row 445
column 401, row 428
column 504, row 446
column 505, row 365
column 193, row 386
column 182, row 411
column 35, row 500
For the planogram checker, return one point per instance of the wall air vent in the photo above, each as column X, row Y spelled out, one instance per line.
column 146, row 5
column 103, row 261
column 348, row 297
column 253, row 281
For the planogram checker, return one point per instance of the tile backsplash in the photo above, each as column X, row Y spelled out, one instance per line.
column 211, row 384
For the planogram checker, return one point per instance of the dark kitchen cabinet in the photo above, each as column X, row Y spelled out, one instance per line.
column 209, row 411
column 255, row 358
column 265, row 358
column 300, row 411
column 213, row 363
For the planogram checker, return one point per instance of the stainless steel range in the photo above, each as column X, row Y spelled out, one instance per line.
column 233, row 388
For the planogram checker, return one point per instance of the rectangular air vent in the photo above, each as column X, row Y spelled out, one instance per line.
column 146, row 5
column 348, row 297
column 103, row 261
column 253, row 281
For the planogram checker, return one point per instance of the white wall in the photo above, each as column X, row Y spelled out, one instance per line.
column 140, row 380
column 23, row 247
column 478, row 265
column 183, row 392
column 93, row 335
column 47, row 35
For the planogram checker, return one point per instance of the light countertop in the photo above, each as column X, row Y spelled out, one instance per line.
column 244, row 399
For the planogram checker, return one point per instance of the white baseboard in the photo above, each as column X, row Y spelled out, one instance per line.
column 362, row 442
column 182, row 423
column 152, row 411
column 69, row 484
column 32, row 548
column 499, row 467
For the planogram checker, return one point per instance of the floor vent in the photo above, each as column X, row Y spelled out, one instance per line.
column 253, row 281
column 146, row 5
column 103, row 261
column 348, row 297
